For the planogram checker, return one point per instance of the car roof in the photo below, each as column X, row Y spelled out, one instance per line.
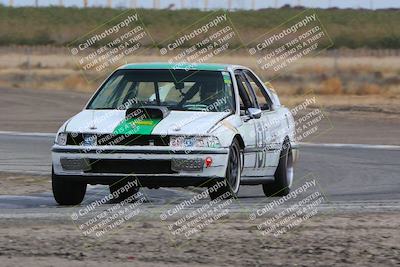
column 186, row 66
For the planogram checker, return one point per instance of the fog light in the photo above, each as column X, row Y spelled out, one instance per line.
column 208, row 162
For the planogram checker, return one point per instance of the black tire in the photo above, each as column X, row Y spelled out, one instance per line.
column 232, row 175
column 67, row 192
column 114, row 188
column 283, row 174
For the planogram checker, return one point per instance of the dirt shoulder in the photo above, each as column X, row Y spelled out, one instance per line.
column 367, row 120
column 363, row 239
column 38, row 110
column 22, row 184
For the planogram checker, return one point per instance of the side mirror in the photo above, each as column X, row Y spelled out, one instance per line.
column 254, row 113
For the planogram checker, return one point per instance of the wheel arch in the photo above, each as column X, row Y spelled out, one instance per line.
column 242, row 146
column 240, row 140
column 293, row 148
column 286, row 140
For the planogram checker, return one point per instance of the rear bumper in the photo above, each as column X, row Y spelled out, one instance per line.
column 151, row 165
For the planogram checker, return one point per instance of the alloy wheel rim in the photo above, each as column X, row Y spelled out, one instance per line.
column 234, row 169
column 289, row 169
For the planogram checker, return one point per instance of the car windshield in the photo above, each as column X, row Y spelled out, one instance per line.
column 175, row 89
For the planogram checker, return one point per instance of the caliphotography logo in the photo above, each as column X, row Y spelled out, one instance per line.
column 199, row 133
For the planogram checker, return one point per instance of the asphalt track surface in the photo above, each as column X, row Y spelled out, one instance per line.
column 350, row 176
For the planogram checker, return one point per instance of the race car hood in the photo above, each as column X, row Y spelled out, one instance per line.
column 188, row 122
column 95, row 121
column 176, row 122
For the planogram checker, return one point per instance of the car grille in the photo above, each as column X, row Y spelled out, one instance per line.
column 75, row 164
column 130, row 166
column 121, row 140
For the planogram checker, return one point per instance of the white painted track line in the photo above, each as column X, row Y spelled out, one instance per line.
column 27, row 134
column 332, row 145
column 367, row 146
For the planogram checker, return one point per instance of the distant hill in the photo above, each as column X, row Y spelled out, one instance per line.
column 59, row 26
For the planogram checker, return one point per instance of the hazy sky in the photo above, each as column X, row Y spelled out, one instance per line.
column 244, row 4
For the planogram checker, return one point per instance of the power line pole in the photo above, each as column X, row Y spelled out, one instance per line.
column 183, row 4
column 11, row 3
column 109, row 3
column 229, row 4
column 36, row 3
column 253, row 4
column 156, row 4
column 85, row 3
column 133, row 3
column 205, row 4
column 60, row 2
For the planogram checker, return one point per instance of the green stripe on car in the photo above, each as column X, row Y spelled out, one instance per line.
column 135, row 126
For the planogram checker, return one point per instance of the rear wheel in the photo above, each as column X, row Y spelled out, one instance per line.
column 230, row 186
column 122, row 190
column 283, row 174
column 67, row 192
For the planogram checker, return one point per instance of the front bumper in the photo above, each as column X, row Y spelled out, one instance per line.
column 152, row 165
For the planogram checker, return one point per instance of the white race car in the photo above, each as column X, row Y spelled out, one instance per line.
column 158, row 125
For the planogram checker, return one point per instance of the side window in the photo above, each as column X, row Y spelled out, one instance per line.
column 245, row 97
column 263, row 100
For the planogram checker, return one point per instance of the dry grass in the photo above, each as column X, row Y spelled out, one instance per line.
column 390, row 106
column 78, row 83
column 369, row 89
column 322, row 74
column 331, row 86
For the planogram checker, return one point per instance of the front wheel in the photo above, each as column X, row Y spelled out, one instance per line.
column 67, row 192
column 283, row 174
column 230, row 186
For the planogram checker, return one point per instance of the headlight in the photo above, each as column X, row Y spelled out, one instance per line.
column 194, row 141
column 61, row 139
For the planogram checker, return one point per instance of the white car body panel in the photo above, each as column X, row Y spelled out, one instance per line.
column 262, row 138
column 95, row 121
column 188, row 122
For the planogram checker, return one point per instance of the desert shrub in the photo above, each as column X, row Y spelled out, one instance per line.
column 331, row 86
column 369, row 89
column 76, row 82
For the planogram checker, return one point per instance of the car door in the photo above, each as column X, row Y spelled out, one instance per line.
column 248, row 126
column 268, row 128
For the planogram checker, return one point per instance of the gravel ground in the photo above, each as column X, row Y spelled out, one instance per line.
column 346, row 239
column 22, row 184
